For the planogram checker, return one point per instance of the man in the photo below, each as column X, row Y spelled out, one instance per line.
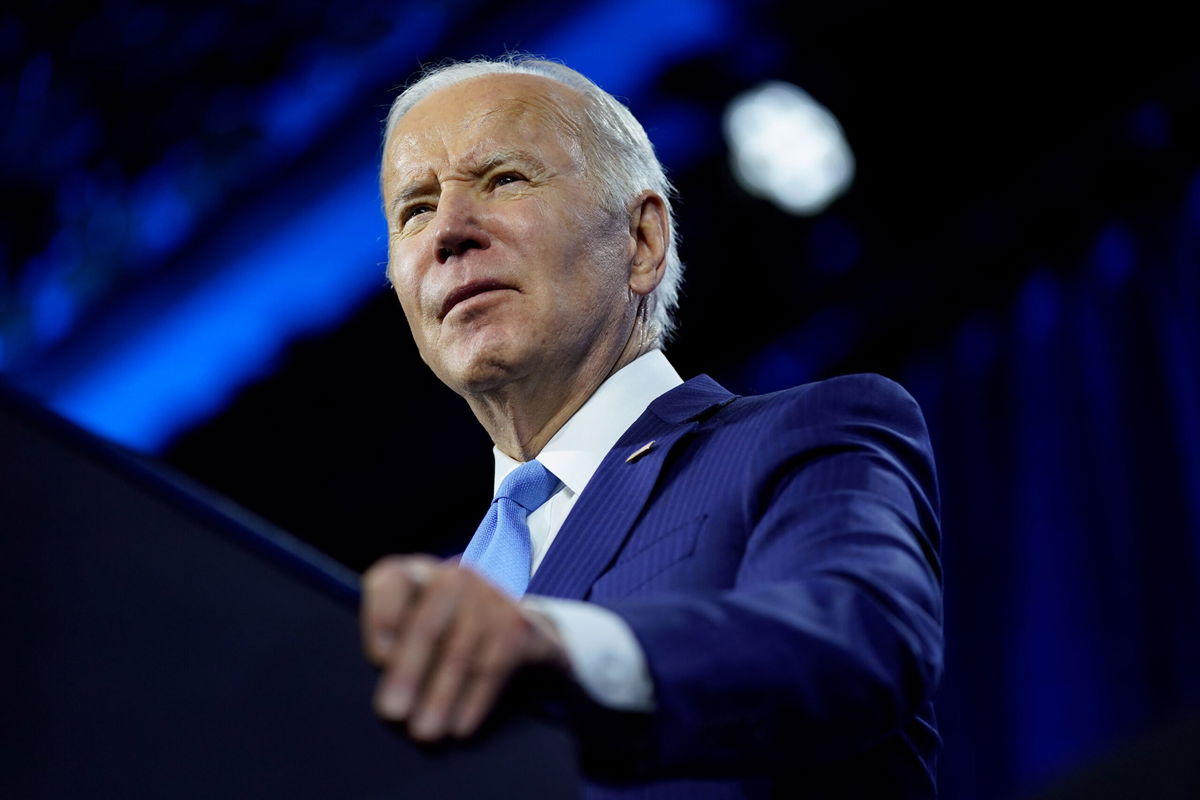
column 755, row 579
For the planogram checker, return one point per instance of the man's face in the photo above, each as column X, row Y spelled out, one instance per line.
column 502, row 257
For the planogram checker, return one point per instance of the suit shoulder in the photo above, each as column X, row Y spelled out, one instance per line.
column 864, row 412
column 853, row 396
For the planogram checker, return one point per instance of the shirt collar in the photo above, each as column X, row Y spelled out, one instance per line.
column 574, row 453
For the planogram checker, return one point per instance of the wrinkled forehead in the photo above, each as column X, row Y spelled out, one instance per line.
column 467, row 118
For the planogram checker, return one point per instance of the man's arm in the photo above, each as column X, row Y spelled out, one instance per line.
column 831, row 637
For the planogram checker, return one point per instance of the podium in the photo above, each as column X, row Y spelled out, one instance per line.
column 160, row 642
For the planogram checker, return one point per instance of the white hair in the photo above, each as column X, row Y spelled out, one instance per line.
column 620, row 158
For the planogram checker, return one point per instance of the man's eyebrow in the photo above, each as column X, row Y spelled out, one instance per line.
column 498, row 158
column 421, row 187
column 409, row 191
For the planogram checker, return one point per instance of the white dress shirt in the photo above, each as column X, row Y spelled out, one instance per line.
column 605, row 656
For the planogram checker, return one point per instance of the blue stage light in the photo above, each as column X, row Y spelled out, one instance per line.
column 185, row 362
column 620, row 44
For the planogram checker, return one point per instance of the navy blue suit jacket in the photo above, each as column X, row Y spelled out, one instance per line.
column 777, row 558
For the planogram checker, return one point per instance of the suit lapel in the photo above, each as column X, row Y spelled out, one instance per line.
column 606, row 511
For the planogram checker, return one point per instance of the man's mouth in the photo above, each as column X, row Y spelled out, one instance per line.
column 467, row 291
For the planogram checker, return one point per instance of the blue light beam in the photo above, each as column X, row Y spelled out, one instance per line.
column 189, row 358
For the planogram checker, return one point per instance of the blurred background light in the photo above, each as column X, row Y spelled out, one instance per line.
column 786, row 147
column 192, row 354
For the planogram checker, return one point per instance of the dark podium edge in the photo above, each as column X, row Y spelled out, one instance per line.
column 527, row 720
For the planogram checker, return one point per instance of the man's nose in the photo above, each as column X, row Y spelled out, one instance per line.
column 459, row 225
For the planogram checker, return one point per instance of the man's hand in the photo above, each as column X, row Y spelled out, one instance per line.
column 447, row 642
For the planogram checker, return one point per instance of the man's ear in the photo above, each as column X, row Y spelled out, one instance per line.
column 649, row 225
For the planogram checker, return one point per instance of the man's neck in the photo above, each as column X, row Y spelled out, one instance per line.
column 523, row 415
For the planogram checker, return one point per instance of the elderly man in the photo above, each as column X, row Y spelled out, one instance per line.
column 755, row 579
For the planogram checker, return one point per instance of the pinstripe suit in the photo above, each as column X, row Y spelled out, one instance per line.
column 776, row 557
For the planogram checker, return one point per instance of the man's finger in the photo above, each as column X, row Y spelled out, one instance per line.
column 413, row 652
column 453, row 670
column 493, row 666
column 389, row 589
column 528, row 637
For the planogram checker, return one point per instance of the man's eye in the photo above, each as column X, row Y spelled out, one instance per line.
column 506, row 178
column 414, row 211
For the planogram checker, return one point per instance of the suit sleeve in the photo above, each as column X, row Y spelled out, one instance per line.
column 830, row 639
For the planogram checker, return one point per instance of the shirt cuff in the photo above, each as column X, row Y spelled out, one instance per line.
column 604, row 654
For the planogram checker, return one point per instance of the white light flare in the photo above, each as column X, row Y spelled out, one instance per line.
column 788, row 148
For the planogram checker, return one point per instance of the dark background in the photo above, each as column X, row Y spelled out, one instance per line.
column 1020, row 248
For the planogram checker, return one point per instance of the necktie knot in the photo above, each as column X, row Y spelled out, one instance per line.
column 500, row 549
column 529, row 486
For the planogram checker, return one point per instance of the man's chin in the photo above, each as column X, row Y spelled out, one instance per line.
column 482, row 373
column 485, row 358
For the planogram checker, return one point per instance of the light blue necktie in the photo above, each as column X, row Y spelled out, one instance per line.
column 500, row 549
